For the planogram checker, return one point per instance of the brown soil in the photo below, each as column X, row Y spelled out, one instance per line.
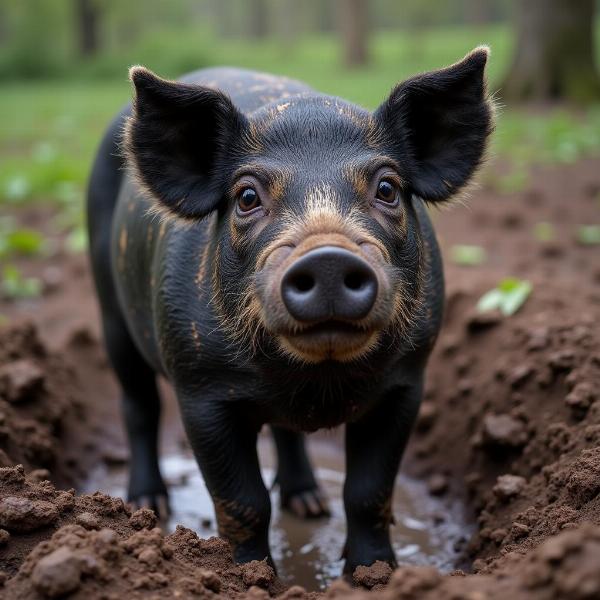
column 510, row 424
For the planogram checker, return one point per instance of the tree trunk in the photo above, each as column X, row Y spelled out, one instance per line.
column 353, row 27
column 288, row 13
column 258, row 19
column 88, row 18
column 555, row 52
column 477, row 12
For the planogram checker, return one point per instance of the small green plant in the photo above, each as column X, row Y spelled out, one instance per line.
column 16, row 286
column 77, row 240
column 543, row 231
column 19, row 240
column 466, row 255
column 588, row 235
column 515, row 181
column 508, row 297
column 17, row 188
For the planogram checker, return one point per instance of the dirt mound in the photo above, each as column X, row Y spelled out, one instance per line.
column 39, row 401
column 83, row 563
column 566, row 566
column 56, row 543
column 511, row 421
column 510, row 424
column 512, row 415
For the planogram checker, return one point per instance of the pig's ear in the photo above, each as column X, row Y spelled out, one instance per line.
column 175, row 137
column 438, row 123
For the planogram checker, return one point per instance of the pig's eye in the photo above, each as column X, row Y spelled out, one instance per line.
column 248, row 199
column 387, row 191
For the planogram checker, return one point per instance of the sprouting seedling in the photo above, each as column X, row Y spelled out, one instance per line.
column 588, row 235
column 22, row 241
column 77, row 240
column 17, row 188
column 14, row 285
column 508, row 297
column 543, row 231
column 15, row 240
column 466, row 255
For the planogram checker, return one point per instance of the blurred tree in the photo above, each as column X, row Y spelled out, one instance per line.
column 353, row 26
column 258, row 19
column 221, row 16
column 319, row 15
column 477, row 12
column 287, row 21
column 88, row 23
column 554, row 59
column 38, row 40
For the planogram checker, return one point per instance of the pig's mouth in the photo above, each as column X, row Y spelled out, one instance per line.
column 329, row 340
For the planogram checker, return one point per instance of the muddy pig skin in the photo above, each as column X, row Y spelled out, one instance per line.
column 268, row 249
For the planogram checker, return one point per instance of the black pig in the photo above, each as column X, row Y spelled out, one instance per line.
column 268, row 250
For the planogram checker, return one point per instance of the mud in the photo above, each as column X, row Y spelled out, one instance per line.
column 500, row 485
column 428, row 530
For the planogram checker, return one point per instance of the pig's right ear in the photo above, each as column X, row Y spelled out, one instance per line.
column 437, row 126
column 174, row 139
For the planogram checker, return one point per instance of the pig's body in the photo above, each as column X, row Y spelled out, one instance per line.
column 156, row 278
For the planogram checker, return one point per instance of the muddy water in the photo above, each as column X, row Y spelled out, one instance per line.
column 307, row 553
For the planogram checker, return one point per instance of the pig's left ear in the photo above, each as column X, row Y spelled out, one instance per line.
column 438, row 123
column 174, row 139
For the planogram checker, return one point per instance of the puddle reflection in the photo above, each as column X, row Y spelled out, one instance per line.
column 307, row 552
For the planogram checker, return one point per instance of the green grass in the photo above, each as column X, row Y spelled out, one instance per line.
column 49, row 130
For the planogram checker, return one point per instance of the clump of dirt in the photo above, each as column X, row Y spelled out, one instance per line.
column 31, row 510
column 55, row 543
column 39, row 401
column 512, row 411
column 565, row 566
column 81, row 563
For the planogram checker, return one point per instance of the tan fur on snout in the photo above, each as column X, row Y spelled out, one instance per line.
column 322, row 223
column 321, row 219
column 261, row 307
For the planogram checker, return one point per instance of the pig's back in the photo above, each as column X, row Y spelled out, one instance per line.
column 249, row 90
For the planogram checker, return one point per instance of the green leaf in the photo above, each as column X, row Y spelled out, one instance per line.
column 44, row 151
column 588, row 235
column 25, row 241
column 463, row 254
column 515, row 181
column 77, row 240
column 514, row 299
column 67, row 192
column 508, row 297
column 15, row 240
column 14, row 285
column 17, row 188
column 543, row 231
column 509, row 284
column 490, row 301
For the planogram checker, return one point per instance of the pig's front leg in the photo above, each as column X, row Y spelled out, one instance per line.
column 224, row 443
column 374, row 447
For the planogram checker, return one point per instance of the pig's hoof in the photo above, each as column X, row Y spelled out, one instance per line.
column 307, row 504
column 159, row 503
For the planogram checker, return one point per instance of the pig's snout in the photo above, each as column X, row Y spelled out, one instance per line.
column 329, row 283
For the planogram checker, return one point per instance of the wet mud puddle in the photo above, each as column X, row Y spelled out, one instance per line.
column 427, row 530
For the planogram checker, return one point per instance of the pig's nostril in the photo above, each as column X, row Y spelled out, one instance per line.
column 354, row 280
column 329, row 283
column 303, row 282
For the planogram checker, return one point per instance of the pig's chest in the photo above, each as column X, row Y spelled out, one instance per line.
column 320, row 401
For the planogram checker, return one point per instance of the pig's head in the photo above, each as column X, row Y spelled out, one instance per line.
column 318, row 250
